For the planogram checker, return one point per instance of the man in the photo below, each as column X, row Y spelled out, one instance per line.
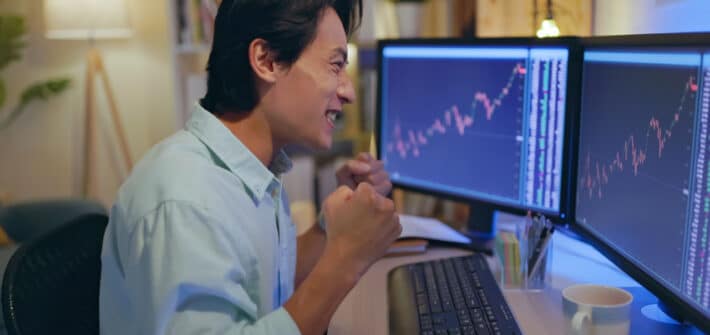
column 200, row 240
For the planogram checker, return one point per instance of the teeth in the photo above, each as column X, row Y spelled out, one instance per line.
column 332, row 116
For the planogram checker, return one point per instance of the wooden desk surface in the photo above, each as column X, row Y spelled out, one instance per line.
column 364, row 310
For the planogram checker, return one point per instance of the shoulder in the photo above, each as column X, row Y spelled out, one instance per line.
column 180, row 170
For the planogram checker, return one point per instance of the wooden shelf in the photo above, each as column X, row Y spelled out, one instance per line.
column 187, row 49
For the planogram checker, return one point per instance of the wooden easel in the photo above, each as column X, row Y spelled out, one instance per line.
column 95, row 66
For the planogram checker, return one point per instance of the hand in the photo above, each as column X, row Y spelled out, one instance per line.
column 362, row 225
column 365, row 169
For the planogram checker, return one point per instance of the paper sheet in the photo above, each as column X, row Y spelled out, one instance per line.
column 430, row 229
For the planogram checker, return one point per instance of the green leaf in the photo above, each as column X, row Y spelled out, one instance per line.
column 44, row 90
column 12, row 28
column 41, row 91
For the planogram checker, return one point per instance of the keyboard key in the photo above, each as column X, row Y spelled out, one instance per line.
column 482, row 295
column 418, row 281
column 489, row 313
column 468, row 330
column 423, row 309
column 421, row 298
column 476, row 280
column 476, row 313
column 435, row 306
column 425, row 323
column 481, row 329
column 473, row 302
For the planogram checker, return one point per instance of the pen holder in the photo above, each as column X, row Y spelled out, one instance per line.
column 539, row 269
column 525, row 255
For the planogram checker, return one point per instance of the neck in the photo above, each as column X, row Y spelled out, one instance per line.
column 252, row 129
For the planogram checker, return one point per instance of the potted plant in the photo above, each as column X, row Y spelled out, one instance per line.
column 409, row 17
column 12, row 29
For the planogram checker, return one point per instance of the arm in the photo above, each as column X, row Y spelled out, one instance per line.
column 309, row 250
column 319, row 295
column 361, row 226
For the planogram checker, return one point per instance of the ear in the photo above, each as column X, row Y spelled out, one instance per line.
column 262, row 62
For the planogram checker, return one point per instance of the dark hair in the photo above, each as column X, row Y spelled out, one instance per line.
column 288, row 26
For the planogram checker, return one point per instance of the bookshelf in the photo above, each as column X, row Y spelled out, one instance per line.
column 191, row 23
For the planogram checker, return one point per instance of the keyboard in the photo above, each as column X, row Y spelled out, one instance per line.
column 448, row 296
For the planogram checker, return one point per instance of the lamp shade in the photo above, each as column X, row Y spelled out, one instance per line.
column 86, row 19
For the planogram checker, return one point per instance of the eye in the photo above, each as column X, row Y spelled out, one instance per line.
column 338, row 66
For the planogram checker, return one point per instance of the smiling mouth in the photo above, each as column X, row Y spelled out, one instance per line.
column 332, row 115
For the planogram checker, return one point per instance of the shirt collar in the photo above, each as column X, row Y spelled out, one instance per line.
column 235, row 155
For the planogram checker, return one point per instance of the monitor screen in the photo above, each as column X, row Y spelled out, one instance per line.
column 481, row 122
column 643, row 176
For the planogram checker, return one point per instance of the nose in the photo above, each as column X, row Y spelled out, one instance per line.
column 345, row 91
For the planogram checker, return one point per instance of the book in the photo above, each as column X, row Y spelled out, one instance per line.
column 508, row 250
column 407, row 247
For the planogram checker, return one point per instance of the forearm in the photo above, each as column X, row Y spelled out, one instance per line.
column 309, row 250
column 316, row 299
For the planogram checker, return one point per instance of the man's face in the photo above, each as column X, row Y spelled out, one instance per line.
column 311, row 93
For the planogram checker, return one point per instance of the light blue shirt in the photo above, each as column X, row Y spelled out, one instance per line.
column 199, row 240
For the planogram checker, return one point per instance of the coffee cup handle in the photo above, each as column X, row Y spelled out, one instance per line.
column 580, row 322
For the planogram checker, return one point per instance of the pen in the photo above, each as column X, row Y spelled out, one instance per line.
column 540, row 249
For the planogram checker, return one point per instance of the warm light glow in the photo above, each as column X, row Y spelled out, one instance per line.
column 86, row 19
column 548, row 28
column 352, row 53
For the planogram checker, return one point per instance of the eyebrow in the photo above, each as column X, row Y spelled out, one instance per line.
column 342, row 52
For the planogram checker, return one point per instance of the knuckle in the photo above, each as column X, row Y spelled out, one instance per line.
column 374, row 200
column 388, row 205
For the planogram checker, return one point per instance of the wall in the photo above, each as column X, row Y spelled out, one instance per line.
column 40, row 154
column 613, row 17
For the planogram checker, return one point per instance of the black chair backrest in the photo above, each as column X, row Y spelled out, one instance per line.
column 25, row 220
column 51, row 285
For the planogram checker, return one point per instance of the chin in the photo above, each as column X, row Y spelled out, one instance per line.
column 323, row 143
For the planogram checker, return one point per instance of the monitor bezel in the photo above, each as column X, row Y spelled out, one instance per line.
column 690, row 41
column 566, row 207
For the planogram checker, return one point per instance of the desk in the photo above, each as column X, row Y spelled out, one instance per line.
column 364, row 310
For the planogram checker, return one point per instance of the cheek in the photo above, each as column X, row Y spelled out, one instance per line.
column 320, row 83
column 306, row 95
column 320, row 92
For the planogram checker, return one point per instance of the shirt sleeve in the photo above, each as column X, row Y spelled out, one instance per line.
column 185, row 276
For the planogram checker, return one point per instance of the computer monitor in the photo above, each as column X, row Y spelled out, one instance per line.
column 643, row 191
column 484, row 121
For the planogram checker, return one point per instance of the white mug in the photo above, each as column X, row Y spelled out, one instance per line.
column 596, row 309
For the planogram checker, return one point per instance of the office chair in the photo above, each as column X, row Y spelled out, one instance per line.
column 51, row 284
column 24, row 220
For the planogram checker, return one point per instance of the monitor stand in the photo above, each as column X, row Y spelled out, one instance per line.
column 650, row 317
column 481, row 225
